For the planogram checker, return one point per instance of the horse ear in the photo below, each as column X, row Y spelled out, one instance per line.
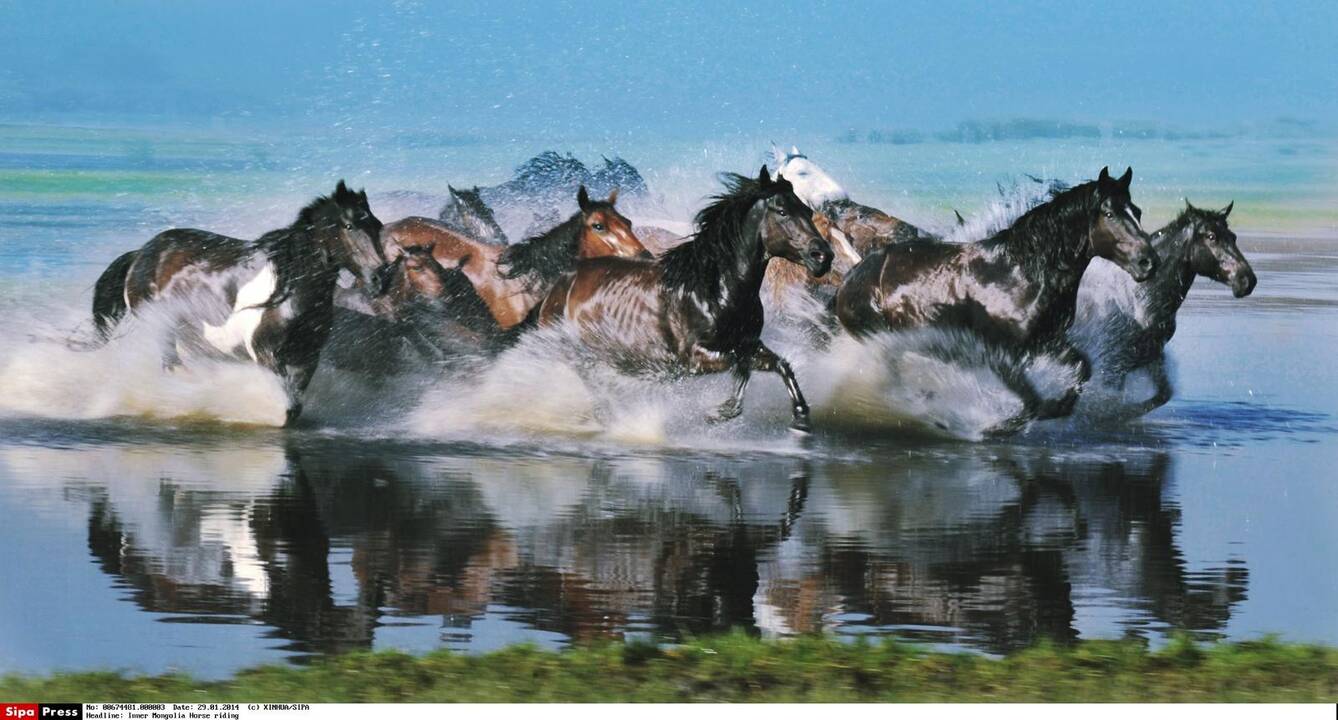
column 613, row 196
column 583, row 198
column 794, row 150
column 341, row 189
column 451, row 189
column 776, row 155
column 1127, row 177
column 1227, row 210
column 1104, row 177
column 763, row 176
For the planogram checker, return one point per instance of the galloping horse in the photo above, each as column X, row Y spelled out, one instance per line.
column 270, row 300
column 864, row 228
column 697, row 308
column 1124, row 327
column 1019, row 287
column 513, row 279
column 467, row 214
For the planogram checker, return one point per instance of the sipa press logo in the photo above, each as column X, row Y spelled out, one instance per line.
column 34, row 711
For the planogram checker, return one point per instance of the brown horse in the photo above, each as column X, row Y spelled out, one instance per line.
column 512, row 279
column 697, row 309
column 1019, row 287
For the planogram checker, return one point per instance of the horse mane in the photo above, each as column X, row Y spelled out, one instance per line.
column 541, row 259
column 1043, row 238
column 696, row 264
column 293, row 249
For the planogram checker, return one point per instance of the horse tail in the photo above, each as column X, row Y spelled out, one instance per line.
column 109, row 302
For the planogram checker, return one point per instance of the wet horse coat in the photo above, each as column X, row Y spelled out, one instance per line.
column 1018, row 288
column 1124, row 327
column 270, row 301
column 512, row 279
column 697, row 309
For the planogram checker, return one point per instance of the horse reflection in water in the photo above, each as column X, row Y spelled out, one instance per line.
column 324, row 542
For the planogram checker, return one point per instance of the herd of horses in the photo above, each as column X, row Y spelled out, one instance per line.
column 686, row 305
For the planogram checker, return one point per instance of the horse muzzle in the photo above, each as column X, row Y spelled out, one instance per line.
column 818, row 259
column 1243, row 282
column 1142, row 266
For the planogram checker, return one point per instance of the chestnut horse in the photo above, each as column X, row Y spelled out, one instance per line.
column 1019, row 287
column 512, row 279
column 270, row 301
column 696, row 309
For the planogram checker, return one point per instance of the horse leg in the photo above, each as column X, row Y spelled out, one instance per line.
column 295, row 381
column 1163, row 384
column 733, row 407
column 1063, row 405
column 765, row 360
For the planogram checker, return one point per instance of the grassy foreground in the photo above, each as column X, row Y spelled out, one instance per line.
column 739, row 668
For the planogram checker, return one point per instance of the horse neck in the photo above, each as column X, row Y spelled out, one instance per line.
column 1165, row 292
column 301, row 264
column 742, row 280
column 1048, row 253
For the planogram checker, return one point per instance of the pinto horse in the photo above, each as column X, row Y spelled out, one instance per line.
column 512, row 279
column 696, row 309
column 467, row 214
column 270, row 301
column 1124, row 327
column 1018, row 287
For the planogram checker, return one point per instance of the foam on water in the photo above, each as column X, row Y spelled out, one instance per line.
column 43, row 375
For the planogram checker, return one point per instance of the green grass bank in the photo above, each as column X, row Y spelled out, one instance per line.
column 736, row 668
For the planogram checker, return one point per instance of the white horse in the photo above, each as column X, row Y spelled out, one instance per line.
column 860, row 228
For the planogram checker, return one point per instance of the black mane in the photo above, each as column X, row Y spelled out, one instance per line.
column 696, row 265
column 296, row 251
column 540, row 260
column 1048, row 235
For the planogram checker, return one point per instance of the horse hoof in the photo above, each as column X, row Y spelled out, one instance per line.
column 724, row 414
column 801, row 425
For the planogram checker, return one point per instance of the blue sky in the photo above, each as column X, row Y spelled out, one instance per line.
column 674, row 67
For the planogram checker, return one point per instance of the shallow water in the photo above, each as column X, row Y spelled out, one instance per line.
column 522, row 505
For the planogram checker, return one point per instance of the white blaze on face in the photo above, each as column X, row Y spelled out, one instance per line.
column 811, row 183
column 240, row 328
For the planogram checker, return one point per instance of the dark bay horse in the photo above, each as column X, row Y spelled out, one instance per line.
column 697, row 309
column 1018, row 287
column 1124, row 327
column 269, row 301
column 425, row 315
column 512, row 279
column 467, row 214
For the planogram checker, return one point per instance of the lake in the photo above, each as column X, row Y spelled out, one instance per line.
column 163, row 523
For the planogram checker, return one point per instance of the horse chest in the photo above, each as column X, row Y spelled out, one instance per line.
column 238, row 332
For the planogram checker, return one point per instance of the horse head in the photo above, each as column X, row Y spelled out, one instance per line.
column 1115, row 233
column 812, row 185
column 356, row 244
column 1213, row 252
column 605, row 231
column 467, row 213
column 787, row 227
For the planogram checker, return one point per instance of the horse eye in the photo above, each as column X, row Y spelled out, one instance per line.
column 782, row 212
column 1110, row 214
column 599, row 227
column 348, row 226
column 1212, row 236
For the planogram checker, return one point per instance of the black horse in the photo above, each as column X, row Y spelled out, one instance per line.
column 270, row 301
column 1018, row 288
column 697, row 309
column 466, row 213
column 1125, row 328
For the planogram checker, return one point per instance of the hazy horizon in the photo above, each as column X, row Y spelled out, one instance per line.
column 604, row 69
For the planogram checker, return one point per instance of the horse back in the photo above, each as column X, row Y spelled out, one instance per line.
column 165, row 259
